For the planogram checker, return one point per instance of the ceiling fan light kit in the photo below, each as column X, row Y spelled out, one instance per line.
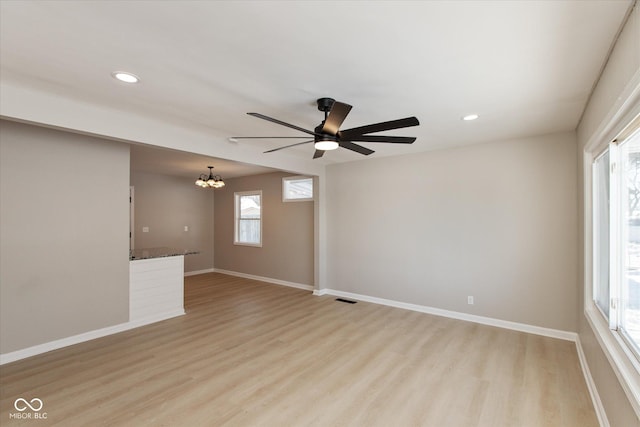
column 328, row 136
column 326, row 145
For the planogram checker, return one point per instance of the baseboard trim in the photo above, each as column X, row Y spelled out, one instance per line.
column 85, row 336
column 591, row 386
column 265, row 279
column 521, row 327
column 156, row 318
column 195, row 273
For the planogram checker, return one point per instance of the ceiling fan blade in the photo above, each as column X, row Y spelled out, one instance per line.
column 287, row 146
column 384, row 138
column 268, row 137
column 335, row 118
column 355, row 147
column 349, row 134
column 318, row 153
column 280, row 122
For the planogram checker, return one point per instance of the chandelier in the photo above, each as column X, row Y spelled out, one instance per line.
column 211, row 181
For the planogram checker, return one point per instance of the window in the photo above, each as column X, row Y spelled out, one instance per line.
column 248, row 218
column 601, row 232
column 297, row 189
column 630, row 240
column 616, row 238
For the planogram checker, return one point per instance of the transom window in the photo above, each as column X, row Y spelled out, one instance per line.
column 248, row 218
column 297, row 188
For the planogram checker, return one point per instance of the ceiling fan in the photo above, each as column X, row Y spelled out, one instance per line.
column 328, row 136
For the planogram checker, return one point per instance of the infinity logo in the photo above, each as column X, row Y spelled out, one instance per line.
column 35, row 404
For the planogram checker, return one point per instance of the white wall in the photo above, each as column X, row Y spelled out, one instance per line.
column 287, row 251
column 166, row 204
column 64, row 214
column 620, row 78
column 497, row 221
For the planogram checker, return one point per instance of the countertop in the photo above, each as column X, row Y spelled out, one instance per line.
column 161, row 252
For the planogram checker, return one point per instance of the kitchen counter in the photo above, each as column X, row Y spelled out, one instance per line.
column 160, row 252
column 156, row 284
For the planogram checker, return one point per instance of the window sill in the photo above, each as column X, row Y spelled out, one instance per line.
column 255, row 245
column 297, row 200
column 623, row 362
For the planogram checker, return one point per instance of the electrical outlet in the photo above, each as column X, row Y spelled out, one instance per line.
column 145, row 229
column 470, row 300
column 186, row 228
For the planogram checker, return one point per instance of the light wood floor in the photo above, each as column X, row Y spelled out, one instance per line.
column 253, row 354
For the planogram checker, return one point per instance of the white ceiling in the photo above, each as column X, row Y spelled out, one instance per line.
column 163, row 161
column 526, row 67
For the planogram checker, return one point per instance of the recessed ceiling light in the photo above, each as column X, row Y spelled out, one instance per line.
column 123, row 76
column 470, row 117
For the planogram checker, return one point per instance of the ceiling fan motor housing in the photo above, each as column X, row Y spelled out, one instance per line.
column 321, row 136
column 325, row 104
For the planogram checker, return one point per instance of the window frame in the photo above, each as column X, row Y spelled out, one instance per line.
column 615, row 346
column 237, row 218
column 297, row 178
column 595, row 291
column 616, row 242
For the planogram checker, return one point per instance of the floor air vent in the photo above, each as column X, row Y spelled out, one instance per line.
column 348, row 301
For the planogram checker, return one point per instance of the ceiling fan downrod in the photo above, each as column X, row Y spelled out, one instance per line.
column 325, row 104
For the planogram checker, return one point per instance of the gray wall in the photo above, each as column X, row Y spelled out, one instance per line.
column 287, row 246
column 64, row 265
column 622, row 68
column 496, row 221
column 166, row 204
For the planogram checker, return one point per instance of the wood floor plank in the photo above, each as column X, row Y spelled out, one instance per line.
column 249, row 353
